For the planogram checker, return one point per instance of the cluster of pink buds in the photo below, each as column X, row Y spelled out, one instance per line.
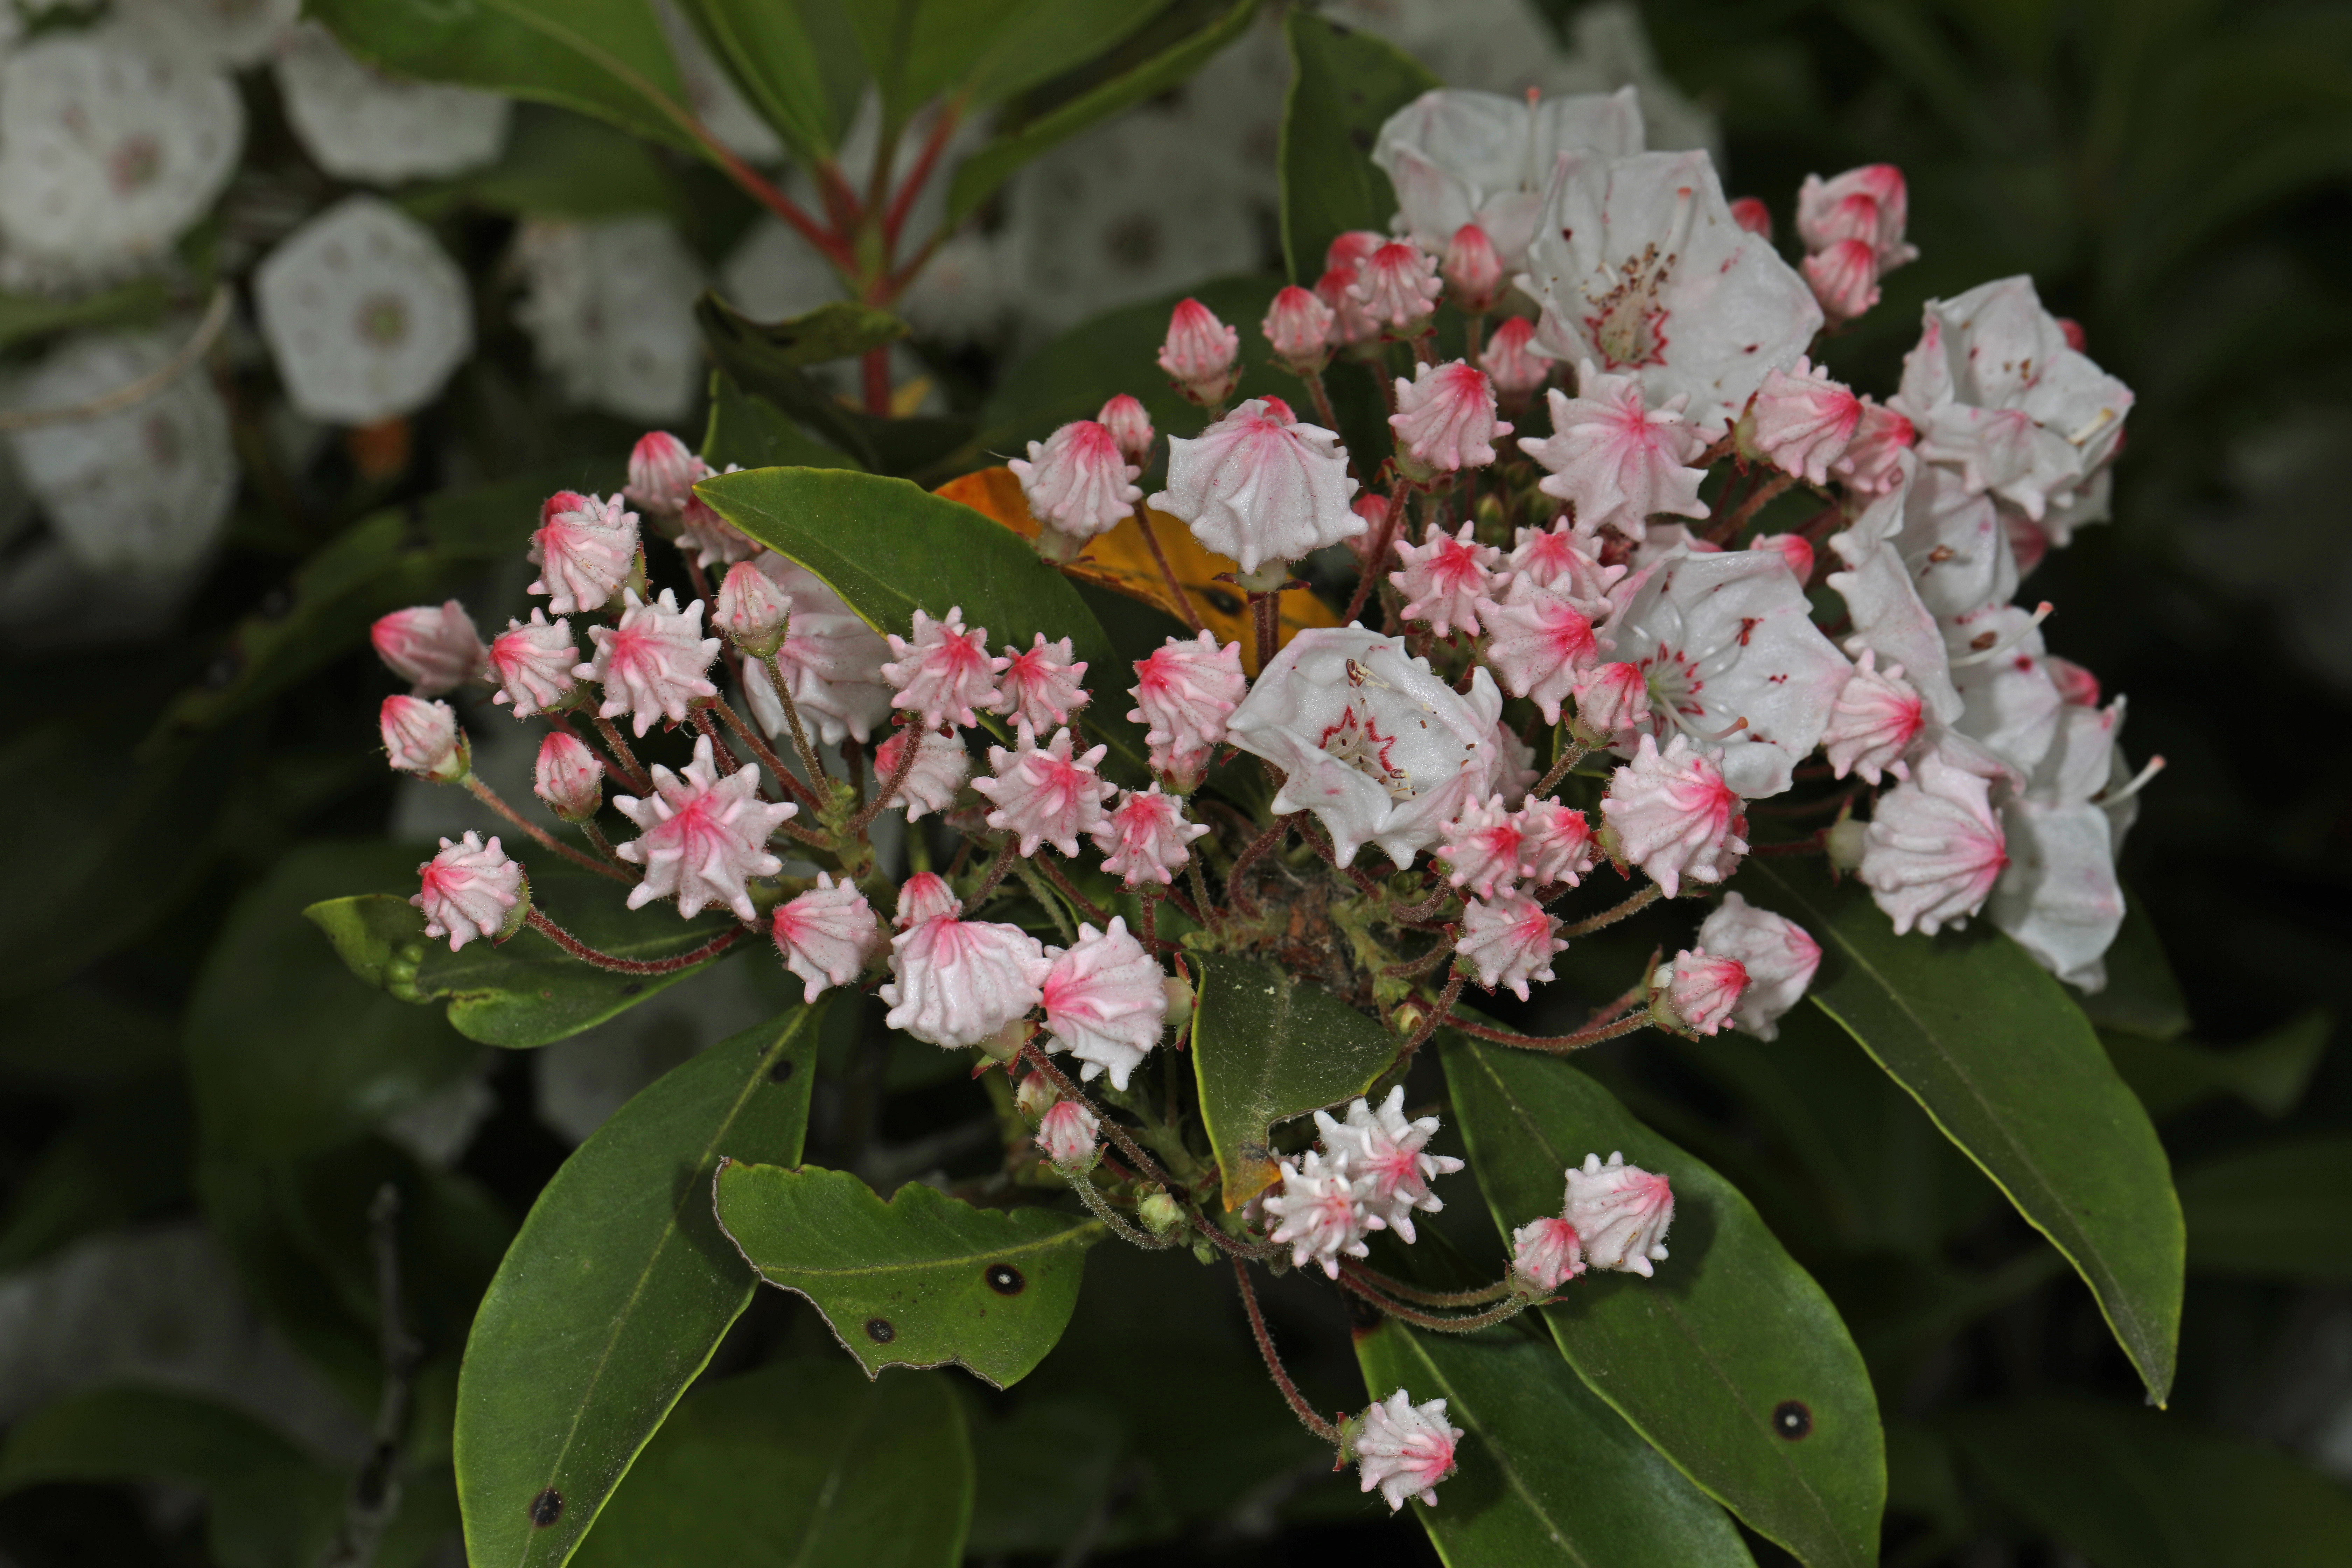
column 1371, row 1173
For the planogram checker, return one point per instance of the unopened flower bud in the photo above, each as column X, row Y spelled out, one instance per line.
column 472, row 890
column 1159, row 1214
column 433, row 647
column 1752, row 214
column 1846, row 843
column 1200, row 354
column 1006, row 1043
column 1844, row 279
column 925, row 896
column 1472, row 270
column 1517, row 369
column 422, row 737
column 1398, row 287
column 1035, row 1096
column 1066, row 1133
column 1790, row 548
column 1130, row 424
column 1298, row 325
column 1697, row 994
column 2071, row 330
column 1547, row 1253
column 568, row 777
column 1621, row 1213
column 662, row 474
column 1609, row 700
column 753, row 610
column 1373, row 508
column 1401, row 1449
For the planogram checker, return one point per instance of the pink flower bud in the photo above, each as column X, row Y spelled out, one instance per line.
column 825, row 936
column 1516, row 370
column 433, row 647
column 938, row 771
column 1934, row 847
column 662, row 474
column 1845, row 280
column 1538, row 644
column 1777, row 953
column 1881, row 437
column 1483, row 848
column 1130, row 424
column 422, row 737
column 533, row 663
column 1041, row 687
column 568, row 777
column 1388, row 1156
column 944, row 673
column 471, row 889
column 651, row 665
column 954, row 983
column 1045, row 794
column 1547, row 1253
column 1869, row 204
column 1077, row 483
column 1876, row 718
column 1260, row 488
column 1401, row 1449
column 753, row 610
column 1373, row 508
column 1696, row 993
column 1446, row 577
column 586, row 550
column 1446, row 417
column 1473, row 271
column 703, row 837
column 1319, row 1213
column 1802, row 420
column 1617, row 461
column 925, row 896
column 2071, row 330
column 1068, row 1132
column 1791, row 548
column 1753, row 215
column 1037, row 1096
column 1559, row 842
column 1105, row 1003
column 1145, row 838
column 1397, row 287
column 1673, row 815
column 1350, row 323
column 709, row 537
column 1610, row 700
column 1350, row 250
column 1509, row 939
column 1621, row 1213
column 1183, row 694
column 1200, row 354
column 1298, row 325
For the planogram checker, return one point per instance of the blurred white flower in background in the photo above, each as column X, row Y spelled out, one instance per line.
column 365, row 313
column 359, row 124
column 231, row 33
column 610, row 310
column 711, row 93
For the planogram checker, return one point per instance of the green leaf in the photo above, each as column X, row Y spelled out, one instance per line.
column 888, row 547
column 982, row 51
column 617, row 1291
column 2268, row 1074
column 753, row 433
column 1268, row 1047
column 1343, row 86
column 604, row 58
column 1549, row 1473
column 1713, row 1358
column 2010, row 1069
column 561, row 165
column 287, row 1053
column 979, row 177
column 921, row 1280
column 2131, row 1489
column 525, row 991
column 2141, row 995
column 838, row 331
column 2277, row 1210
column 802, row 1464
column 776, row 57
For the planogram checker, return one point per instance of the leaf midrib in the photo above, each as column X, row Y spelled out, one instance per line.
column 962, row 1260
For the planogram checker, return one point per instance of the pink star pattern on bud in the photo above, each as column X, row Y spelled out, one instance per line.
column 1509, row 939
column 825, row 936
column 753, row 610
column 651, row 664
column 470, row 889
column 1933, row 848
column 1508, row 358
column 1621, row 1213
column 1547, row 1253
column 1876, row 717
column 944, row 673
column 1567, row 563
column 1843, row 279
column 1043, row 795
column 1201, row 354
column 1397, row 286
column 925, row 896
column 433, row 647
column 1145, row 838
column 1260, row 487
column 956, row 982
column 1067, row 1133
column 420, row 737
column 1881, row 437
column 1485, row 848
column 1614, row 459
column 1753, row 215
column 1673, row 815
column 1610, row 699
column 1077, row 480
column 1538, row 644
column 1803, row 420
column 701, row 836
column 568, row 777
column 1778, row 955
column 1446, row 577
column 1698, row 990
column 1559, row 842
column 1041, row 687
column 533, row 663
column 1387, row 1155
column 1183, row 694
column 1403, row 1450
column 1320, row 1214
column 1130, row 424
column 1870, row 204
column 1104, row 1002
column 662, row 474
column 1472, row 270
column 1299, row 326
column 584, row 550
column 938, row 771
column 1446, row 417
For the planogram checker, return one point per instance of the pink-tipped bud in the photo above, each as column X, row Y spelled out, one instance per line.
column 1621, row 1213
column 1201, row 355
column 1347, row 252
column 2076, row 684
column 1547, row 1253
column 1037, row 1096
column 433, row 647
column 568, row 777
column 1790, row 548
column 1844, row 279
column 662, row 474
column 1067, row 1134
column 1752, row 214
column 422, row 738
column 1351, row 323
column 1401, row 1449
column 1697, row 994
column 1298, row 325
column 2071, row 330
column 1508, row 358
column 1397, row 287
column 1609, row 702
column 1373, row 508
column 1130, row 424
column 925, row 896
column 1472, row 270
column 471, row 891
column 753, row 610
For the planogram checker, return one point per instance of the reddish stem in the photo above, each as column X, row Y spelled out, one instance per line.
column 538, row 923
column 901, row 205
column 1296, row 1401
column 1558, row 1044
column 766, row 753
column 1236, row 895
column 1614, row 912
column 490, row 797
column 910, row 741
column 996, row 869
column 1182, row 601
column 877, row 381
column 1052, row 874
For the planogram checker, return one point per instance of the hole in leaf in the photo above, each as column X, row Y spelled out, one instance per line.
column 1792, row 1419
column 879, row 1330
column 546, row 1508
column 1004, row 1279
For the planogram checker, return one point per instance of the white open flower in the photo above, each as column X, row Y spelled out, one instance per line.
column 610, row 310
column 146, row 490
column 359, row 124
column 110, row 147
column 364, row 313
column 1458, row 157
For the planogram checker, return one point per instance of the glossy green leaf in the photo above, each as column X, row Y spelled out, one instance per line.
column 1344, row 85
column 979, row 177
column 802, row 1464
column 561, row 165
column 616, row 1293
column 2142, row 994
column 982, row 51
column 835, row 331
column 2268, row 1074
column 1726, row 1352
column 525, row 991
column 2132, row 1489
column 605, row 58
column 1549, row 1473
column 1268, row 1047
column 2276, row 1211
column 287, row 1053
column 887, row 548
column 2010, row 1069
column 753, row 433
column 921, row 1280
column 773, row 54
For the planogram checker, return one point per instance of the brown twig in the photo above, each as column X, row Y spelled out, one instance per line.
column 782, row 689
column 1052, row 874
column 766, row 753
column 910, row 742
column 586, row 955
column 625, row 763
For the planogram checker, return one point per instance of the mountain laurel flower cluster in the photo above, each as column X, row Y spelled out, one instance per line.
column 1702, row 638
